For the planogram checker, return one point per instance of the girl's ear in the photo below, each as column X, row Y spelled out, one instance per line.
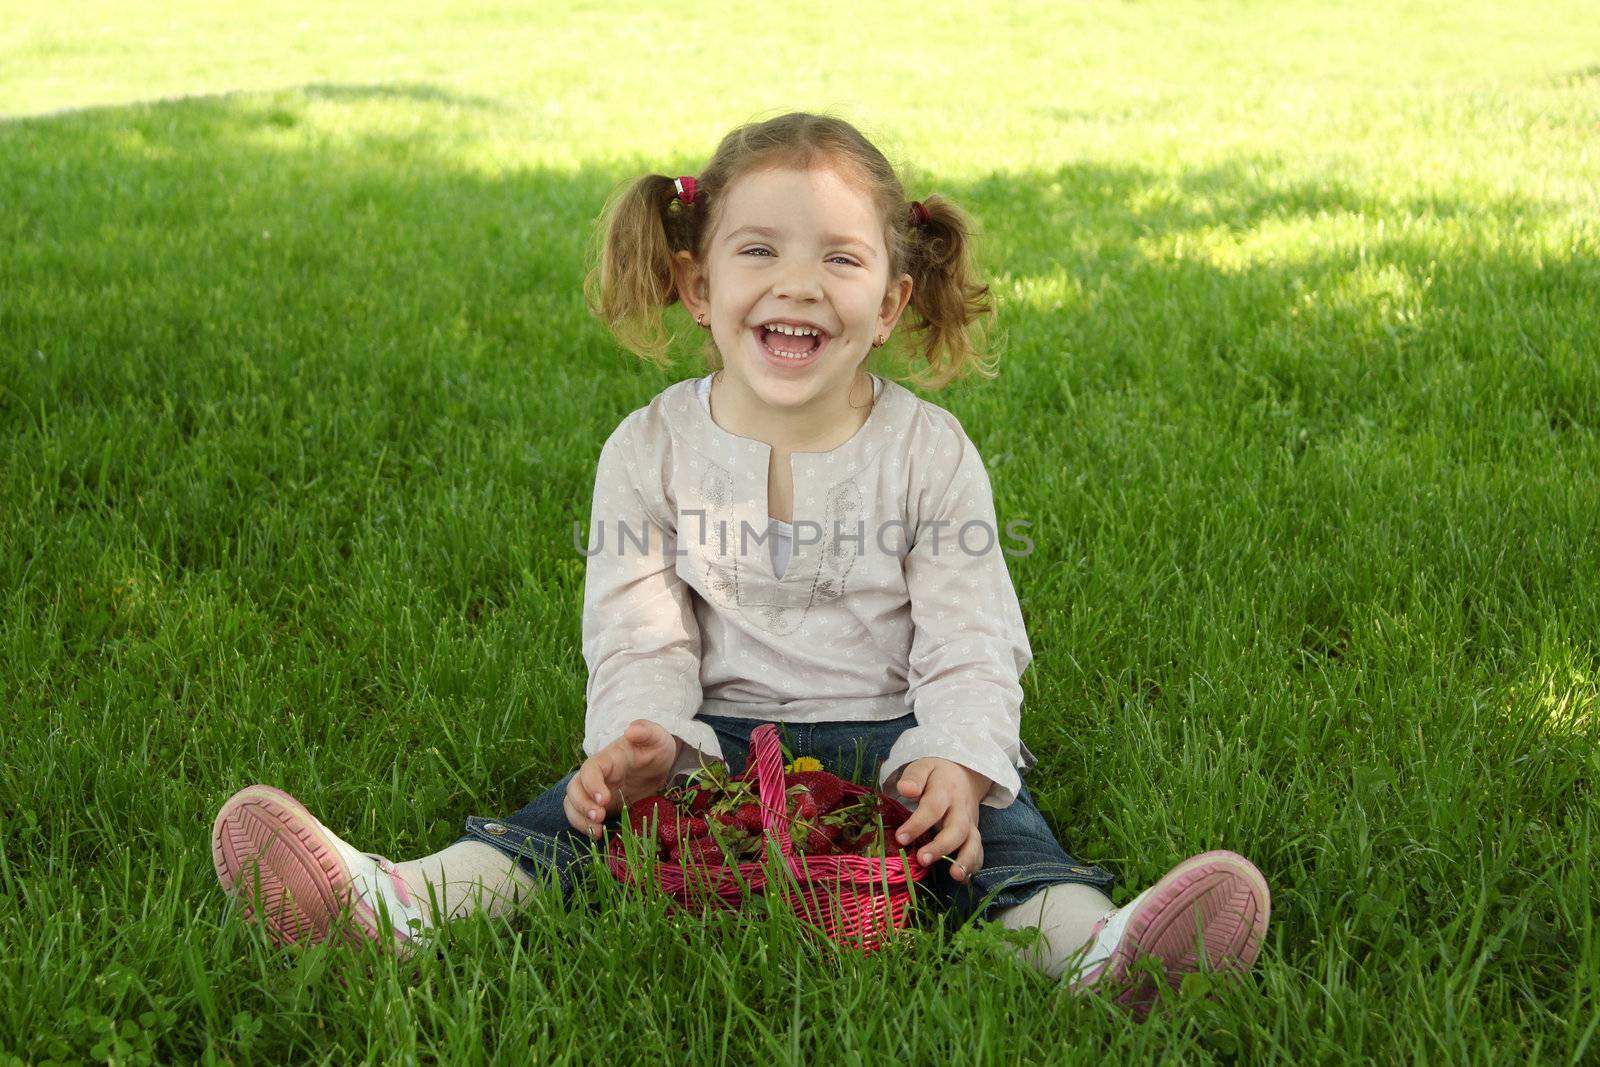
column 894, row 302
column 690, row 281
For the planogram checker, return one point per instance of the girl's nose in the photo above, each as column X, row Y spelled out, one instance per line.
column 798, row 283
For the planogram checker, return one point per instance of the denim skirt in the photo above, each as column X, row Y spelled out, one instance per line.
column 1020, row 853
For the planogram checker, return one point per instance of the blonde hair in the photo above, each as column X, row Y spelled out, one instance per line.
column 630, row 284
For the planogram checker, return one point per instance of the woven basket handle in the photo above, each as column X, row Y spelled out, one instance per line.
column 768, row 756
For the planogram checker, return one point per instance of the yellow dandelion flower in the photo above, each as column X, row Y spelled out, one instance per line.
column 805, row 763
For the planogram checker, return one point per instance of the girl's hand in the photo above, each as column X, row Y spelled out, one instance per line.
column 947, row 795
column 637, row 764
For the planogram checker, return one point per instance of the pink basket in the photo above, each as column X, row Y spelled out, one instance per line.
column 854, row 900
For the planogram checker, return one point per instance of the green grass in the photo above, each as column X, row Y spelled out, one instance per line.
column 299, row 402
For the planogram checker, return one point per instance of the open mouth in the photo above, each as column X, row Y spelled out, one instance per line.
column 787, row 343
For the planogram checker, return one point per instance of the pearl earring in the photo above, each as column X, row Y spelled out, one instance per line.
column 701, row 319
column 880, row 342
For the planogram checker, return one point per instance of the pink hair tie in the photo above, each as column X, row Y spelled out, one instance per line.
column 685, row 187
column 919, row 214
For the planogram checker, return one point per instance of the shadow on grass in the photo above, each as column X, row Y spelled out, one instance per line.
column 414, row 93
column 1590, row 73
column 216, row 228
column 211, row 282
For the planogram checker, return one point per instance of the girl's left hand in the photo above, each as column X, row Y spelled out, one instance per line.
column 947, row 795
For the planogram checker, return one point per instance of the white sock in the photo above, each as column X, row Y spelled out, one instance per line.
column 1064, row 914
column 468, row 876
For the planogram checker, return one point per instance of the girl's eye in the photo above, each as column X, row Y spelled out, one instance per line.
column 767, row 252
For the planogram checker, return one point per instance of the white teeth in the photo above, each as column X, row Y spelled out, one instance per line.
column 794, row 357
column 792, row 331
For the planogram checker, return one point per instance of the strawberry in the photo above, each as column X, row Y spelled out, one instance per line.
column 658, row 809
column 718, row 785
column 803, row 817
column 856, row 809
column 804, row 808
column 820, row 840
column 702, row 850
column 828, row 789
column 699, row 801
column 748, row 817
column 670, row 825
column 727, row 795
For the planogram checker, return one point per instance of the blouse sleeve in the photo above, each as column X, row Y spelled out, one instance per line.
column 969, row 643
column 641, row 641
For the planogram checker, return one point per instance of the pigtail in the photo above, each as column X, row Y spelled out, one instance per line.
column 630, row 283
column 951, row 307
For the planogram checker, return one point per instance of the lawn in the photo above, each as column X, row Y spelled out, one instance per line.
column 1300, row 392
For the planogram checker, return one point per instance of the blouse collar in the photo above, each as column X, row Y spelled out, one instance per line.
column 889, row 418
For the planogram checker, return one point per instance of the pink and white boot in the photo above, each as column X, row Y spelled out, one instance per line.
column 313, row 886
column 1209, row 912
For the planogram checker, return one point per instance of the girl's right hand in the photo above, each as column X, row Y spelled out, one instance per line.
column 637, row 764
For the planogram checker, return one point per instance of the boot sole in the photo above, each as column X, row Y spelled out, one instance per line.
column 1209, row 913
column 264, row 839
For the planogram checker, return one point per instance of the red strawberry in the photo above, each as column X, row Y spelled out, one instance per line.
column 702, row 850
column 699, row 801
column 820, row 840
column 641, row 812
column 828, row 789
column 804, row 808
column 718, row 787
column 670, row 825
column 748, row 817
column 803, row 818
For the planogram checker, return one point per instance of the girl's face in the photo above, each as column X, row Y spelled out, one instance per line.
column 795, row 283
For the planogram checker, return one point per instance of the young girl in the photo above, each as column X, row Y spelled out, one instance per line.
column 788, row 539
